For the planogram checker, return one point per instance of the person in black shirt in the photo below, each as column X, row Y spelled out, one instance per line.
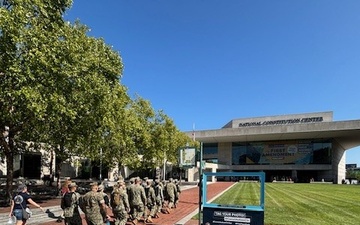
column 19, row 202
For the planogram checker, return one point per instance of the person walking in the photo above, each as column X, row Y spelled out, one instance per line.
column 178, row 191
column 137, row 199
column 19, row 205
column 159, row 197
column 171, row 193
column 150, row 202
column 101, row 188
column 70, row 205
column 120, row 203
column 93, row 205
column 64, row 189
column 129, row 191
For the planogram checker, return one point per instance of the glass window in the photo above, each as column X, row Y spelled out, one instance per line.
column 238, row 154
column 321, row 153
column 301, row 152
column 210, row 148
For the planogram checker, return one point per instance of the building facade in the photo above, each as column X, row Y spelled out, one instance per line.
column 298, row 147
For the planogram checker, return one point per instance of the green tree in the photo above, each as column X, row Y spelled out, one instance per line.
column 166, row 140
column 144, row 115
column 61, row 87
column 77, row 121
column 352, row 174
column 55, row 81
column 117, row 129
column 22, row 25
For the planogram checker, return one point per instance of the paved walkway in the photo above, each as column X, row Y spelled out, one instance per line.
column 187, row 208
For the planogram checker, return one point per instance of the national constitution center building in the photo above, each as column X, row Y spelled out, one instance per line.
column 297, row 147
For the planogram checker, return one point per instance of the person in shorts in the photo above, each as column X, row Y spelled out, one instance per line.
column 19, row 202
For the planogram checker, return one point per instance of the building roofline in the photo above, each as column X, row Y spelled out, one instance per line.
column 346, row 133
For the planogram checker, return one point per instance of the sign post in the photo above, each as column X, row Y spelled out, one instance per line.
column 243, row 214
column 201, row 200
column 187, row 159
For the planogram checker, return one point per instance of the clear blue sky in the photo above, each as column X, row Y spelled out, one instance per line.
column 205, row 62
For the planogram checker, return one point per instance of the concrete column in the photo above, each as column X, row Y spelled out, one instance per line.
column 213, row 170
column 338, row 163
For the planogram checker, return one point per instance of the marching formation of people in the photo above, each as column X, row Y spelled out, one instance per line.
column 140, row 200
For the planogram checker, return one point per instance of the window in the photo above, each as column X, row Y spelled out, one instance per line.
column 299, row 152
column 210, row 148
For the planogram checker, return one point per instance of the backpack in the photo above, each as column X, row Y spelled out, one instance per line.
column 82, row 203
column 107, row 200
column 115, row 198
column 67, row 200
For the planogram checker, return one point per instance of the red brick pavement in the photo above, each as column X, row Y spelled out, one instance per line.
column 189, row 202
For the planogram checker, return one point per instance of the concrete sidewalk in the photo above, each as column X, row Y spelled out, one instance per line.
column 188, row 207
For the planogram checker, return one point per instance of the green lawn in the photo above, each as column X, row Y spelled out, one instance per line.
column 290, row 204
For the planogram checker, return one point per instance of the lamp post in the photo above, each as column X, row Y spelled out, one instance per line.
column 164, row 178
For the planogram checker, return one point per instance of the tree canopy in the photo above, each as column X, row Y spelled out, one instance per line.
column 60, row 86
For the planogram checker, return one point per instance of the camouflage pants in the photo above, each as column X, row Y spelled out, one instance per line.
column 137, row 211
column 171, row 201
column 120, row 216
column 94, row 219
column 158, row 205
column 177, row 196
column 150, row 210
column 74, row 220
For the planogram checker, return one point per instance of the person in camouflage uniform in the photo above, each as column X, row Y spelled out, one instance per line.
column 128, row 191
column 159, row 197
column 171, row 193
column 120, row 206
column 178, row 191
column 137, row 199
column 106, row 200
column 144, row 181
column 150, row 202
column 93, row 205
column 71, row 214
column 166, row 198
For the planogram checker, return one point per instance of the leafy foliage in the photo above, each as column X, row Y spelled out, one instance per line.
column 353, row 174
column 61, row 87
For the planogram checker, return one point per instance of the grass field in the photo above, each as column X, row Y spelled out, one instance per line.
column 300, row 204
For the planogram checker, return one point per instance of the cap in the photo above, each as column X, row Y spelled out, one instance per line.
column 21, row 187
column 72, row 184
column 137, row 179
column 93, row 184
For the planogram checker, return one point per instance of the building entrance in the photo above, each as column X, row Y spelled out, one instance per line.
column 278, row 175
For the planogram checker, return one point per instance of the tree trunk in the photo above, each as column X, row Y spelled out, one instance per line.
column 51, row 167
column 58, row 172
column 10, row 175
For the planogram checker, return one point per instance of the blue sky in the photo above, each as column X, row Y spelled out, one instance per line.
column 205, row 62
